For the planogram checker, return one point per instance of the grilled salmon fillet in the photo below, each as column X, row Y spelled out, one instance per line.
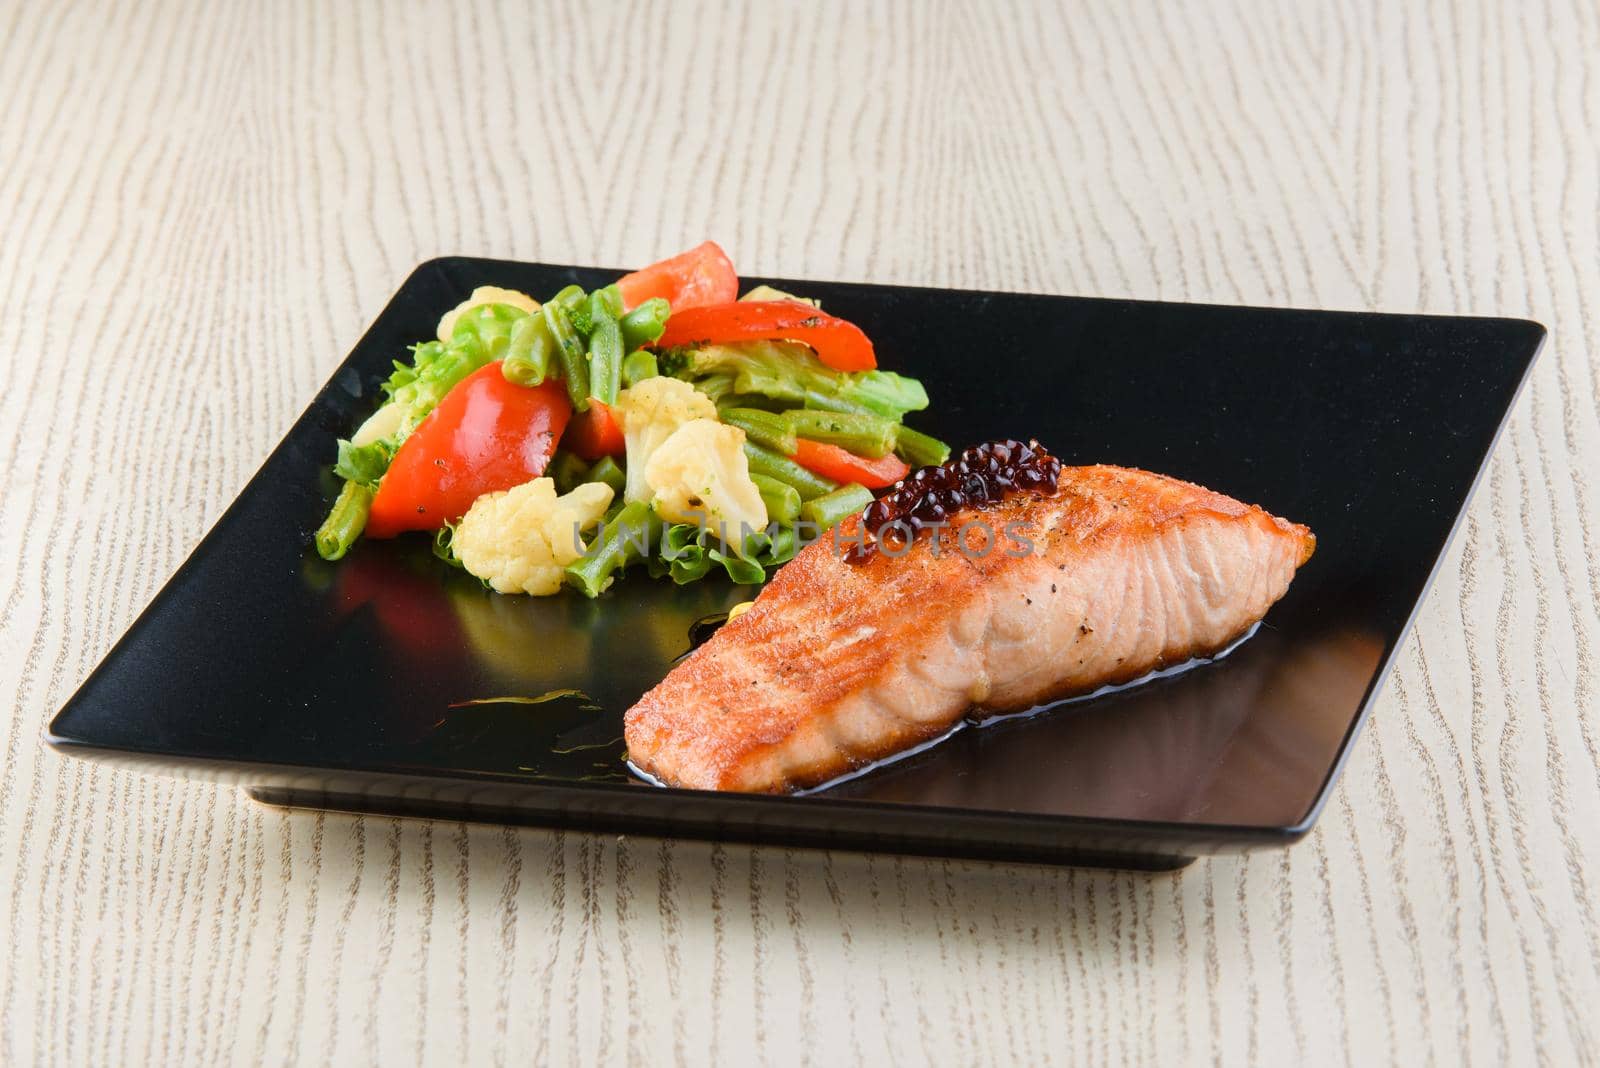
column 837, row 664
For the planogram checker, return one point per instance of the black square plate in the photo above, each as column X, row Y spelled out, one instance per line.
column 377, row 683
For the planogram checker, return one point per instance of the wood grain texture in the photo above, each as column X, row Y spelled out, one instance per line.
column 202, row 205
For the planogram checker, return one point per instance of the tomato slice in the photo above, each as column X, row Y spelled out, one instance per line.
column 838, row 343
column 595, row 433
column 487, row 434
column 842, row 465
column 703, row 275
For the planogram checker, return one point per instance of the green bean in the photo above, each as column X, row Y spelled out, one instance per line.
column 570, row 297
column 345, row 521
column 782, row 500
column 627, row 538
column 521, row 336
column 715, row 386
column 763, row 461
column 749, row 400
column 763, row 428
column 527, row 359
column 568, row 470
column 638, row 366
column 602, row 304
column 645, row 323
column 605, row 358
column 918, row 449
column 608, row 471
column 607, row 300
column 575, row 299
column 569, row 350
column 866, row 435
column 828, row 509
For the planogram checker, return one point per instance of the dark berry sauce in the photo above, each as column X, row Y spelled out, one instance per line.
column 981, row 477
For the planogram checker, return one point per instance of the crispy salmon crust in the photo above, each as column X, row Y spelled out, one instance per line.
column 1121, row 572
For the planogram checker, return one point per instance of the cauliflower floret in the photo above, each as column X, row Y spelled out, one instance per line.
column 649, row 413
column 381, row 424
column 520, row 539
column 766, row 293
column 700, row 475
column 484, row 295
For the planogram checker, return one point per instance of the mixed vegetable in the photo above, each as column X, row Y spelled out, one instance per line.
column 661, row 420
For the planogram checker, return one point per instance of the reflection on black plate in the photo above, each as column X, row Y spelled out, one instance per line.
column 388, row 683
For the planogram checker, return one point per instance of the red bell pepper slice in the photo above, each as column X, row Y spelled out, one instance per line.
column 703, row 275
column 842, row 465
column 838, row 343
column 487, row 434
column 595, row 433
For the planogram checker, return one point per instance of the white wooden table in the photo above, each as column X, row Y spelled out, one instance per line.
column 202, row 205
